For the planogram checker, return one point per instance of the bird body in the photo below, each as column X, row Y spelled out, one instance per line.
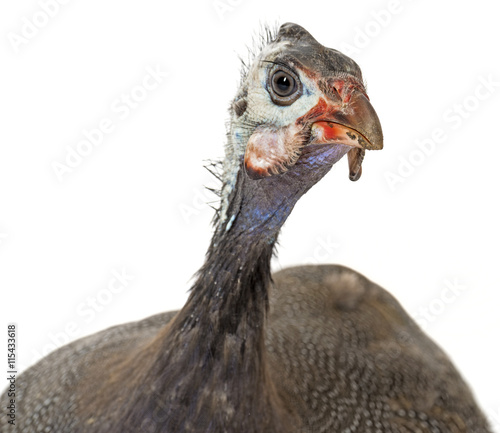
column 341, row 353
column 321, row 350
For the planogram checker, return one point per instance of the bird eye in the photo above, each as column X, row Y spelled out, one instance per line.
column 284, row 86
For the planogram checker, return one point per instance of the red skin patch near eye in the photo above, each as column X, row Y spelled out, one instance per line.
column 318, row 112
column 322, row 111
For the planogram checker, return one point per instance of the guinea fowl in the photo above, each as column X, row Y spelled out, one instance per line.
column 335, row 353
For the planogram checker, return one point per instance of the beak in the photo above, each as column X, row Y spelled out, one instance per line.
column 355, row 124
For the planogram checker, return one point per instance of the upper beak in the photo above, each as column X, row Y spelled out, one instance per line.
column 354, row 123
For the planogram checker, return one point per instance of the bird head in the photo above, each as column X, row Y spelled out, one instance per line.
column 298, row 95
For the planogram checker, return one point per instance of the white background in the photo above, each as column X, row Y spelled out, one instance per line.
column 137, row 200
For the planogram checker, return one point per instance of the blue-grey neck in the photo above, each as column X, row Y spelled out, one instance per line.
column 238, row 259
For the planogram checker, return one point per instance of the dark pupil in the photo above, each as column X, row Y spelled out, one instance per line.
column 283, row 83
